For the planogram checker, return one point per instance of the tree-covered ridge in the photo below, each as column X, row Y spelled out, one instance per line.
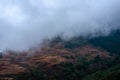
column 110, row 43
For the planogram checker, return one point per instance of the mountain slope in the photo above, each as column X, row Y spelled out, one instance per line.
column 65, row 60
column 110, row 74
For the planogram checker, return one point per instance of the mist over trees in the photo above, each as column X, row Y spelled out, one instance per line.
column 25, row 24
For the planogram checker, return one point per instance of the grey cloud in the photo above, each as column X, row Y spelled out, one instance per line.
column 28, row 22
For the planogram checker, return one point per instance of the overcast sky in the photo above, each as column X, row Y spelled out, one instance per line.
column 26, row 23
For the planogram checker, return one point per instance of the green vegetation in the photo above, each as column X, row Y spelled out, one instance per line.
column 1, row 55
column 110, row 74
column 73, row 44
column 110, row 43
column 80, row 70
column 35, row 74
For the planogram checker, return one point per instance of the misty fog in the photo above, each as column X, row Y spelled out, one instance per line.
column 26, row 23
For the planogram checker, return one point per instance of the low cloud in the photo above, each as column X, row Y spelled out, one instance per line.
column 26, row 23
